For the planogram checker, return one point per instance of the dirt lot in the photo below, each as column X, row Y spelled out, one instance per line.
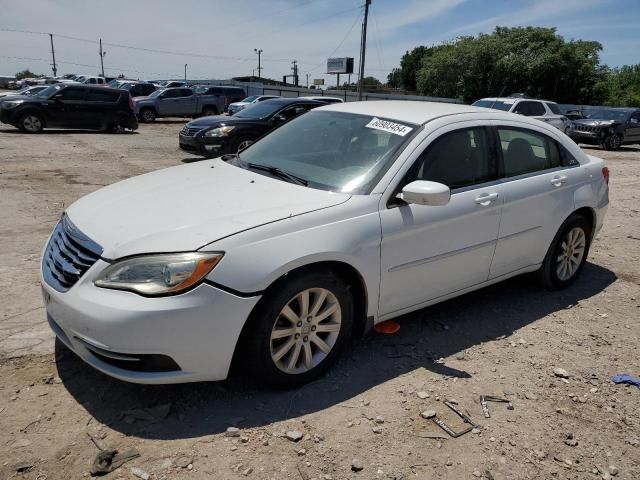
column 504, row 340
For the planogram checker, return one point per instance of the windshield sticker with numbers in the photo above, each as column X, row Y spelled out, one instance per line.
column 391, row 127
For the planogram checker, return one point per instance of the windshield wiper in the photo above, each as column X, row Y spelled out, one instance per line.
column 278, row 172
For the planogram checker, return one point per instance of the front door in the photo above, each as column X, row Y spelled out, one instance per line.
column 632, row 133
column 541, row 178
column 66, row 108
column 427, row 251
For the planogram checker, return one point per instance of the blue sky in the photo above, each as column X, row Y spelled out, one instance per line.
column 220, row 35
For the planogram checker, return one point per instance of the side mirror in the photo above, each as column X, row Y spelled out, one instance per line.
column 422, row 192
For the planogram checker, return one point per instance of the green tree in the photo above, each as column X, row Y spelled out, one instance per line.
column 531, row 60
column 622, row 86
column 26, row 74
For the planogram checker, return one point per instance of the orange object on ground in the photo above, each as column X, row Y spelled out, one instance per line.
column 388, row 327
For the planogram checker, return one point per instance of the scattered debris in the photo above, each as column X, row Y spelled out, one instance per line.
column 626, row 378
column 107, row 461
column 184, row 462
column 422, row 395
column 488, row 398
column 436, row 436
column 151, row 415
column 140, row 473
column 560, row 372
column 428, row 414
column 23, row 467
column 294, row 435
column 357, row 465
column 462, row 415
column 572, row 442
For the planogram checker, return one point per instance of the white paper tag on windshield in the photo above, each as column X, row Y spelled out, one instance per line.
column 391, row 127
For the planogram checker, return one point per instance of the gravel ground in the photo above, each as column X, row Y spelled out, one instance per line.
column 506, row 340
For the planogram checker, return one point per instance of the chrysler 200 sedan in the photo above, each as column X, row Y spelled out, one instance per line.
column 347, row 216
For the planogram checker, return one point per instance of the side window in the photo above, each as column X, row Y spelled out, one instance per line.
column 214, row 91
column 522, row 108
column 295, row 110
column 72, row 94
column 97, row 96
column 169, row 94
column 184, row 92
column 526, row 151
column 554, row 108
column 457, row 159
column 635, row 119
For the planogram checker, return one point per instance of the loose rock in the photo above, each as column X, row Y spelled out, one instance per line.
column 428, row 414
column 357, row 465
column 422, row 395
column 232, row 432
column 294, row 435
column 560, row 372
column 140, row 473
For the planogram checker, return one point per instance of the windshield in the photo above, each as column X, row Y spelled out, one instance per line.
column 113, row 83
column 249, row 99
column 503, row 105
column 617, row 115
column 260, row 110
column 48, row 92
column 554, row 108
column 335, row 151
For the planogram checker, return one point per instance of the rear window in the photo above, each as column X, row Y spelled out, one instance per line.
column 504, row 105
column 527, row 151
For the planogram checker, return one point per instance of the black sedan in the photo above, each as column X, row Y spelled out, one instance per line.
column 222, row 134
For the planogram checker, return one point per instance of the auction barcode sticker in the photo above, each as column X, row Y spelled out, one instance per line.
column 391, row 127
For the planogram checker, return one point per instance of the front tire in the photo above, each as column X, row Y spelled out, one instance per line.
column 300, row 329
column 567, row 254
column 239, row 144
column 31, row 123
column 612, row 142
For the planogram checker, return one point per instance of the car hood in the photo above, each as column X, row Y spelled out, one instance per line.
column 594, row 122
column 186, row 207
column 14, row 97
column 215, row 120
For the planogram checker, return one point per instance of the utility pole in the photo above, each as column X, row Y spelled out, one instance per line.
column 295, row 72
column 102, row 54
column 185, row 72
column 54, row 67
column 363, row 46
column 259, row 52
column 307, row 80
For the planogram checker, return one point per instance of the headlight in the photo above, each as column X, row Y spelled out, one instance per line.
column 218, row 132
column 12, row 104
column 156, row 275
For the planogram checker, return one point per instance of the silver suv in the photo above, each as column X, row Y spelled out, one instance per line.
column 544, row 110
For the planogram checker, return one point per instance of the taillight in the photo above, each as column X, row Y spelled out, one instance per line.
column 131, row 107
column 605, row 174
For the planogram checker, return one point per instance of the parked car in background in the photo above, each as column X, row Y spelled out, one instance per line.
column 217, row 135
column 138, row 89
column 322, row 98
column 228, row 94
column 235, row 107
column 544, row 110
column 181, row 102
column 172, row 84
column 574, row 115
column 28, row 91
column 71, row 106
column 347, row 216
column 90, row 80
column 610, row 128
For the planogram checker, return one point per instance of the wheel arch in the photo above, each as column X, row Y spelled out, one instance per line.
column 211, row 106
column 589, row 214
column 348, row 273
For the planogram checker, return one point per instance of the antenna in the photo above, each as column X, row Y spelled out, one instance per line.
column 496, row 99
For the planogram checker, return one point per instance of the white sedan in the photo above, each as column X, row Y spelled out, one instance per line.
column 349, row 215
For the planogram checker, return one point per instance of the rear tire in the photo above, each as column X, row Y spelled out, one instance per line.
column 208, row 111
column 31, row 123
column 299, row 330
column 567, row 254
column 147, row 115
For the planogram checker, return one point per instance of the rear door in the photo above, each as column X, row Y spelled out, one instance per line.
column 185, row 102
column 428, row 251
column 540, row 178
column 98, row 108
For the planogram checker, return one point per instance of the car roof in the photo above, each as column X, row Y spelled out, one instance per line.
column 515, row 99
column 411, row 111
column 287, row 101
column 97, row 88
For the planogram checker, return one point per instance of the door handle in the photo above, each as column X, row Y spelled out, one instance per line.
column 558, row 180
column 486, row 198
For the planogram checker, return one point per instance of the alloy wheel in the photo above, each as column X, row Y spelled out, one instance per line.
column 31, row 123
column 244, row 144
column 571, row 253
column 305, row 331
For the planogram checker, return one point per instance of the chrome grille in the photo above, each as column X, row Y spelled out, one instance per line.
column 585, row 128
column 69, row 254
column 189, row 131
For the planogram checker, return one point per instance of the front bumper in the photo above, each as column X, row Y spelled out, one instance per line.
column 183, row 338
column 201, row 145
column 589, row 137
column 8, row 116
